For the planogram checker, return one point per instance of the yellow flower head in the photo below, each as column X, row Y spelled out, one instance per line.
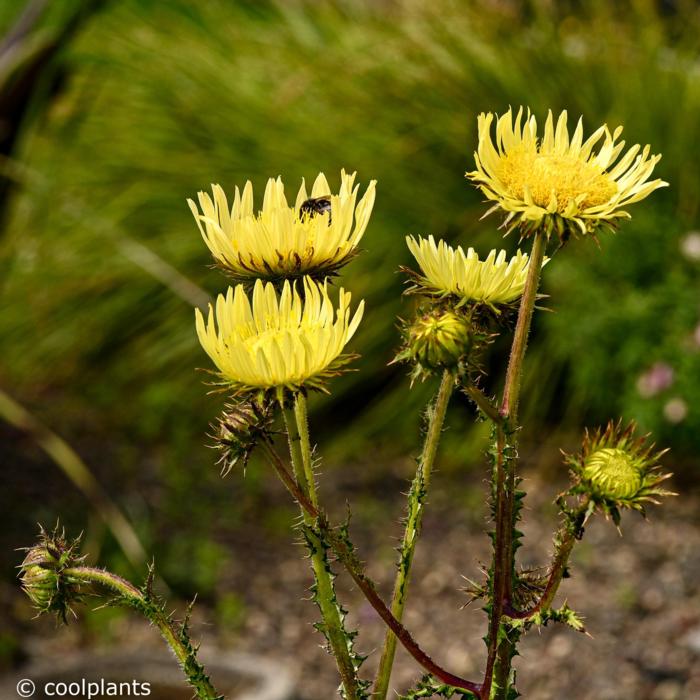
column 572, row 183
column 288, row 341
column 450, row 272
column 617, row 470
column 315, row 237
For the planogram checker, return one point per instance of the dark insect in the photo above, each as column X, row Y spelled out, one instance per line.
column 314, row 206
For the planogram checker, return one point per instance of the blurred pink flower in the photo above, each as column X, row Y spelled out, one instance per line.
column 655, row 380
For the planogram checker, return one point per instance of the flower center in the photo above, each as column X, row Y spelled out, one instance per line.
column 613, row 473
column 567, row 177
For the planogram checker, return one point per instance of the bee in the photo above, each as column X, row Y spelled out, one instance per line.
column 314, row 206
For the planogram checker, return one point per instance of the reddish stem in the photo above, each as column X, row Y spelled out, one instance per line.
column 365, row 584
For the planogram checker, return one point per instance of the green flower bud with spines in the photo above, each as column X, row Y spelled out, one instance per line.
column 613, row 473
column 439, row 340
column 617, row 470
column 239, row 429
column 43, row 573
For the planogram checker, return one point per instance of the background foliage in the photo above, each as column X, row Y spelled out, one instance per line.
column 101, row 262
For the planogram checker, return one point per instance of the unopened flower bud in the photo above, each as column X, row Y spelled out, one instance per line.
column 238, row 431
column 439, row 340
column 617, row 470
column 613, row 473
column 43, row 574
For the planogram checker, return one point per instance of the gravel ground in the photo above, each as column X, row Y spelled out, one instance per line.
column 639, row 595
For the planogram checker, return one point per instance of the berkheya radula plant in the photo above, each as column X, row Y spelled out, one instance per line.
column 278, row 336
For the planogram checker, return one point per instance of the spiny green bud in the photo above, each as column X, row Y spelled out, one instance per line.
column 238, row 431
column 43, row 573
column 613, row 472
column 439, row 340
column 617, row 470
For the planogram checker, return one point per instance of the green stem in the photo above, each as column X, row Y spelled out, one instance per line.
column 484, row 404
column 416, row 500
column 347, row 556
column 302, row 423
column 511, row 392
column 501, row 647
column 338, row 638
column 177, row 640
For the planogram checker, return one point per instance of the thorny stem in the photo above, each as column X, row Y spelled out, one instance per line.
column 500, row 652
column 416, row 500
column 177, row 640
column 353, row 565
column 300, row 452
column 569, row 532
column 500, row 561
column 484, row 404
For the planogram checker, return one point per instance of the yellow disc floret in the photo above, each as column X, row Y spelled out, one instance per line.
column 558, row 181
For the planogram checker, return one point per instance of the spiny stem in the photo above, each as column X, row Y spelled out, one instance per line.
column 353, row 565
column 565, row 539
column 177, row 640
column 500, row 653
column 416, row 500
column 300, row 452
column 499, row 568
column 484, row 404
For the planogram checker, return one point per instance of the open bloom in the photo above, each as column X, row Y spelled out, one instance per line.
column 618, row 470
column 315, row 237
column 576, row 184
column 448, row 271
column 268, row 341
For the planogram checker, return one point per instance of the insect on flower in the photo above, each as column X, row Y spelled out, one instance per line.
column 315, row 206
column 284, row 240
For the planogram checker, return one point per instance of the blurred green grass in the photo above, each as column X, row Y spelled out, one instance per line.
column 102, row 263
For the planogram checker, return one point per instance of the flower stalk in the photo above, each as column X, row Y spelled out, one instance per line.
column 70, row 581
column 416, row 501
column 345, row 552
column 569, row 532
column 339, row 640
column 500, row 646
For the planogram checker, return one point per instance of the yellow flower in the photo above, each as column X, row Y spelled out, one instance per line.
column 290, row 341
column 312, row 238
column 570, row 183
column 447, row 271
